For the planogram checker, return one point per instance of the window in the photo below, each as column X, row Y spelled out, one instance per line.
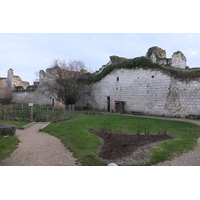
column 117, row 78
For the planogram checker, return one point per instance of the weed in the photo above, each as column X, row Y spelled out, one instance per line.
column 106, row 126
column 139, row 128
column 146, row 129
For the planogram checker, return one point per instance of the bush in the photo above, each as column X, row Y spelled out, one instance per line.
column 6, row 129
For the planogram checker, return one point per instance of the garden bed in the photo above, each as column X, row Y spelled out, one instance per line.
column 127, row 149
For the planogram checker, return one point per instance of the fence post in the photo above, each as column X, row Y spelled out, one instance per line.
column 31, row 111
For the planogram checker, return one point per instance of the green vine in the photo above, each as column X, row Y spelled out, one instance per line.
column 146, row 64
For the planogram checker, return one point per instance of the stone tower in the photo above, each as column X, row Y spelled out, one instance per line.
column 41, row 75
column 155, row 54
column 179, row 60
column 10, row 78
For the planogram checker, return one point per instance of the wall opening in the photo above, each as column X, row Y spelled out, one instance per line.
column 108, row 104
column 119, row 107
column 52, row 101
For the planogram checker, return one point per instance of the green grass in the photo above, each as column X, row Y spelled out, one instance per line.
column 9, row 144
column 18, row 125
column 76, row 136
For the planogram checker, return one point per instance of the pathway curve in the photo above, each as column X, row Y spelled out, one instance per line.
column 39, row 149
column 191, row 158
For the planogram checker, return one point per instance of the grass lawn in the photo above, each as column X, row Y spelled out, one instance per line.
column 76, row 136
column 9, row 144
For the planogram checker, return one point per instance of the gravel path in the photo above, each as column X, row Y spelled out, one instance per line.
column 191, row 158
column 39, row 149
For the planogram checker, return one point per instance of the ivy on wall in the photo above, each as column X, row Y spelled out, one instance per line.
column 146, row 64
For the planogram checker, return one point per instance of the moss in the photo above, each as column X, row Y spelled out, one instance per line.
column 179, row 52
column 146, row 64
column 158, row 52
column 117, row 59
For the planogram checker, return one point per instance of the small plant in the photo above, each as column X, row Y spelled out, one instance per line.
column 146, row 129
column 139, row 128
column 165, row 130
column 86, row 112
column 159, row 130
column 124, row 128
column 106, row 127
column 162, row 130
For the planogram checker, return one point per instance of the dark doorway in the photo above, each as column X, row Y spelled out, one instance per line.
column 108, row 104
column 52, row 101
column 119, row 107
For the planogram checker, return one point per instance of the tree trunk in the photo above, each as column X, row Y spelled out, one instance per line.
column 64, row 109
column 70, row 110
column 73, row 110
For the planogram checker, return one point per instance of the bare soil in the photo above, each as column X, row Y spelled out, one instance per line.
column 127, row 149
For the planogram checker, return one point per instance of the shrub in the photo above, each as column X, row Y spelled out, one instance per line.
column 6, row 129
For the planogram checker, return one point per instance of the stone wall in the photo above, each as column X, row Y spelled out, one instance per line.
column 17, row 81
column 3, row 82
column 179, row 60
column 34, row 97
column 158, row 55
column 11, row 80
column 146, row 91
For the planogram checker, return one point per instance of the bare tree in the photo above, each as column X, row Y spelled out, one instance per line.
column 66, row 82
column 6, row 95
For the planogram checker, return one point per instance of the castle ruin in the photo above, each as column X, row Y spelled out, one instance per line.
column 158, row 55
column 13, row 81
column 151, row 84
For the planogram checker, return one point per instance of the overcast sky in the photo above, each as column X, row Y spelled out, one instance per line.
column 28, row 53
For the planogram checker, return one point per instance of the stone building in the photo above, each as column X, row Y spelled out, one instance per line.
column 12, row 81
column 158, row 55
column 152, row 85
column 144, row 86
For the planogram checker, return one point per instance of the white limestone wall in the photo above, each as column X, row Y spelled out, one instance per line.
column 178, row 61
column 153, row 58
column 17, row 81
column 149, row 92
column 31, row 97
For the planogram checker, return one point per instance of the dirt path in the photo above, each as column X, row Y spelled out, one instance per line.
column 39, row 149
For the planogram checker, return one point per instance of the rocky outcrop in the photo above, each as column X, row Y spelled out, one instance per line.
column 6, row 129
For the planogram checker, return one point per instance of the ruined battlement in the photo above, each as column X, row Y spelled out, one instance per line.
column 158, row 55
column 12, row 81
